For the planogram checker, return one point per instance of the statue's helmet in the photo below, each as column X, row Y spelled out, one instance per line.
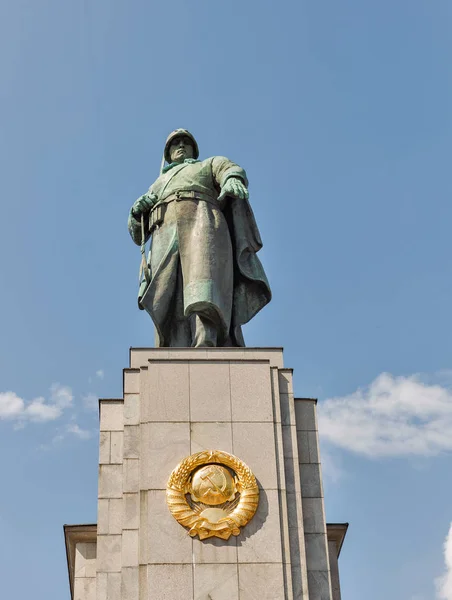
column 180, row 133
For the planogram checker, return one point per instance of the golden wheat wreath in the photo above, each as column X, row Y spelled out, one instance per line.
column 198, row 525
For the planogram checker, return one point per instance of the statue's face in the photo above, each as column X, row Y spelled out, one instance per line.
column 181, row 148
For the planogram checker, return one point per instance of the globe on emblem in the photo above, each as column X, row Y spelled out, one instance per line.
column 213, row 485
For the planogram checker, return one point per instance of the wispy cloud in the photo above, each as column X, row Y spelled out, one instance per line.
column 331, row 466
column 100, row 374
column 64, row 431
column 83, row 434
column 90, row 401
column 444, row 583
column 393, row 416
column 40, row 409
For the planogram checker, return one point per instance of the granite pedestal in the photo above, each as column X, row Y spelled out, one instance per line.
column 180, row 401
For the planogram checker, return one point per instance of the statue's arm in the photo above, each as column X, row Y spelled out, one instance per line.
column 140, row 209
column 134, row 227
column 223, row 169
column 230, row 178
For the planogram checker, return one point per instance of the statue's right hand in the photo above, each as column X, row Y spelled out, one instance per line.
column 143, row 205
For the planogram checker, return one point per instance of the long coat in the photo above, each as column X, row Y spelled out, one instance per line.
column 203, row 254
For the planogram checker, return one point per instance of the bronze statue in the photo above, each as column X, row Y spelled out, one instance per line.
column 202, row 279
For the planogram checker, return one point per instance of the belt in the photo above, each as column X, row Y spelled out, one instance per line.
column 157, row 213
column 189, row 195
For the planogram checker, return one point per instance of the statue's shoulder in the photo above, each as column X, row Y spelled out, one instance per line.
column 209, row 162
column 218, row 160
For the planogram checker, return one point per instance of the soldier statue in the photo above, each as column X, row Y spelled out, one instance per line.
column 202, row 279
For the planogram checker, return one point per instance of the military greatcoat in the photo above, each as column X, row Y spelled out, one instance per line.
column 203, row 254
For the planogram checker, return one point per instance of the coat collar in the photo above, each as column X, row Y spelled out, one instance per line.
column 188, row 161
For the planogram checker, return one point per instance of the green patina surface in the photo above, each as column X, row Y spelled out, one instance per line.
column 205, row 280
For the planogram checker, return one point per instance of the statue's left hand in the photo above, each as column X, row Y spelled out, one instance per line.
column 234, row 187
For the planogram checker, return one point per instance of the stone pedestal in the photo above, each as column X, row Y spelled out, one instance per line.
column 180, row 401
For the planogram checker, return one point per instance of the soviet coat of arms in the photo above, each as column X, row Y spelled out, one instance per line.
column 213, row 494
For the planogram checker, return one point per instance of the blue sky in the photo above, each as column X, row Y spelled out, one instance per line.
column 341, row 114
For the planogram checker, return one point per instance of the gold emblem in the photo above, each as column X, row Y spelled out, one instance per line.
column 213, row 493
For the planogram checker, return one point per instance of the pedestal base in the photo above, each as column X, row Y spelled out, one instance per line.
column 178, row 402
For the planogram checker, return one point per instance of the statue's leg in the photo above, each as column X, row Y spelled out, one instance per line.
column 207, row 271
column 204, row 331
column 178, row 326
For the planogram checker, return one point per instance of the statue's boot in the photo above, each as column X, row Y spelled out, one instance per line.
column 204, row 332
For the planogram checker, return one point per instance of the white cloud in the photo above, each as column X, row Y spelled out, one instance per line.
column 83, row 434
column 444, row 583
column 38, row 410
column 14, row 408
column 10, row 405
column 393, row 416
column 100, row 374
column 90, row 401
column 61, row 395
